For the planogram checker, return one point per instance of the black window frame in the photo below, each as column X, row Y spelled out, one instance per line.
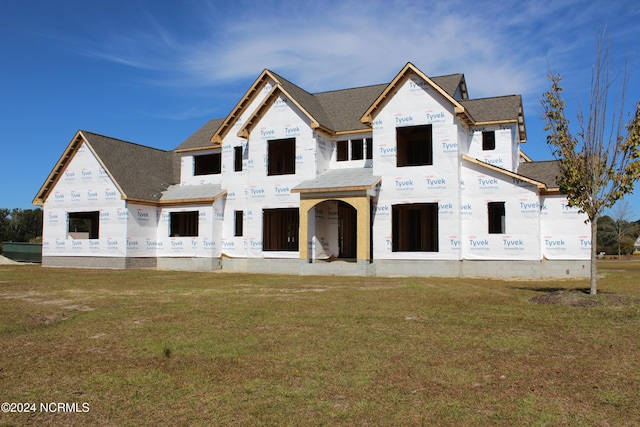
column 414, row 146
column 207, row 164
column 497, row 215
column 281, row 156
column 184, row 224
column 369, row 149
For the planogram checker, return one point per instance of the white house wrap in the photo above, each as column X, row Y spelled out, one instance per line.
column 406, row 178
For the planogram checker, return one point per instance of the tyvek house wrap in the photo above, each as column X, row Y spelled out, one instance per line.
column 413, row 104
column 85, row 187
column 536, row 227
column 563, row 232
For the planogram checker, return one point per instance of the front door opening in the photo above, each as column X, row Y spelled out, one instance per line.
column 347, row 231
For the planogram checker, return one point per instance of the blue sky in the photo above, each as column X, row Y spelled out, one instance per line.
column 153, row 71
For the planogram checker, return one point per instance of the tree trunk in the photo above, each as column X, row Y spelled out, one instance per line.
column 594, row 268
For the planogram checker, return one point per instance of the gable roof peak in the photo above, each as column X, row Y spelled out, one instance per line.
column 138, row 171
column 367, row 117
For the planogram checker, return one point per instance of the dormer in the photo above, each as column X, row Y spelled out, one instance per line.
column 498, row 130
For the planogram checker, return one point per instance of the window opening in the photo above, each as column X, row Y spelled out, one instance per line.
column 237, row 158
column 281, row 156
column 496, row 218
column 207, row 164
column 342, row 154
column 84, row 225
column 414, row 146
column 489, row 140
column 183, row 224
column 415, row 227
column 280, row 229
column 239, row 218
column 357, row 149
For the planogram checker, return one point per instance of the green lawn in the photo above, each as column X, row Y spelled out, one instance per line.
column 148, row 347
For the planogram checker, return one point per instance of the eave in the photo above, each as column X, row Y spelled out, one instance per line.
column 267, row 103
column 525, row 157
column 178, row 202
column 552, row 191
column 367, row 117
column 352, row 188
column 539, row 185
column 237, row 111
column 62, row 164
column 191, row 150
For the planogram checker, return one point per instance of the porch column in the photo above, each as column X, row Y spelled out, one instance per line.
column 303, row 238
column 363, row 212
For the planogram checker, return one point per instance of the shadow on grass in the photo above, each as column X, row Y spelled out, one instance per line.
column 550, row 289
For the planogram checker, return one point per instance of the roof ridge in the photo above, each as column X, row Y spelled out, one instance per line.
column 349, row 88
column 380, row 84
column 122, row 140
column 279, row 77
column 447, row 75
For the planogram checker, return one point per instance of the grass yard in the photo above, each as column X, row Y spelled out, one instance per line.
column 146, row 347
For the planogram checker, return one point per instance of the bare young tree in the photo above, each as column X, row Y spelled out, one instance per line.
column 601, row 163
column 622, row 226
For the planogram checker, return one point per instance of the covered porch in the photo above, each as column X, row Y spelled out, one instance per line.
column 335, row 218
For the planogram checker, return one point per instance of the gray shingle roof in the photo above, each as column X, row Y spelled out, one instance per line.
column 345, row 107
column 178, row 192
column 145, row 172
column 308, row 101
column 337, row 179
column 494, row 109
column 141, row 172
column 543, row 171
column 449, row 83
column 341, row 110
column 202, row 137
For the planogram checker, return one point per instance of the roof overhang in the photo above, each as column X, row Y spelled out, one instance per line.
column 244, row 102
column 525, row 157
column 192, row 150
column 541, row 186
column 338, row 182
column 276, row 92
column 399, row 79
column 345, row 189
column 62, row 164
column 179, row 202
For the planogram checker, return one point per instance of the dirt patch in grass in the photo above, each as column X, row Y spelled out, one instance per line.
column 582, row 298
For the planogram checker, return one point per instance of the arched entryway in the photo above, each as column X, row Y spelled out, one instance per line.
column 334, row 227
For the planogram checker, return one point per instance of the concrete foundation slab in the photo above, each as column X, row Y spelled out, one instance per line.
column 544, row 269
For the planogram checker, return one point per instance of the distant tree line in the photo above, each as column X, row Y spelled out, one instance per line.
column 20, row 225
column 617, row 236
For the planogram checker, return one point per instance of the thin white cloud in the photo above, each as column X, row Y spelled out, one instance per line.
column 502, row 49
